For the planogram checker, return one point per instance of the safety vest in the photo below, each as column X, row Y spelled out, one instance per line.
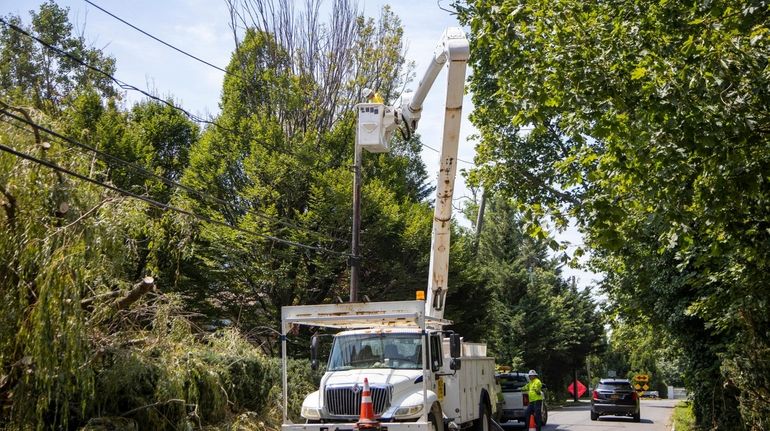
column 535, row 387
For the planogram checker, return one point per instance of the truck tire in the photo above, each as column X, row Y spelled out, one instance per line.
column 484, row 421
column 435, row 418
column 594, row 416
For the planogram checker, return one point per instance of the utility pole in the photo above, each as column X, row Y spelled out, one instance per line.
column 355, row 260
column 480, row 220
column 574, row 384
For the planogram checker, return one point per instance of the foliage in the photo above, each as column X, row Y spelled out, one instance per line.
column 281, row 159
column 529, row 316
column 649, row 126
column 683, row 417
column 36, row 73
column 634, row 347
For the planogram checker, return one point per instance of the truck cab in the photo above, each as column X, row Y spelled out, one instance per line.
column 420, row 376
column 391, row 360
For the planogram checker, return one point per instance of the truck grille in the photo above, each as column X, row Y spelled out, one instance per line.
column 343, row 401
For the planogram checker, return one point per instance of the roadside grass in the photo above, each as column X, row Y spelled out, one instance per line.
column 683, row 418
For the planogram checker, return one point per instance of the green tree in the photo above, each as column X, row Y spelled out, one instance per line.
column 281, row 157
column 529, row 316
column 40, row 74
column 649, row 126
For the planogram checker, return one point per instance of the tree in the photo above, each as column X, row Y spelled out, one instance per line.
column 281, row 157
column 649, row 126
column 528, row 315
column 39, row 73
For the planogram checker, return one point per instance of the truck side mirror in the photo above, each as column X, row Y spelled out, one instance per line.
column 314, row 352
column 454, row 345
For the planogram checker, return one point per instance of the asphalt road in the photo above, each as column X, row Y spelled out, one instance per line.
column 656, row 415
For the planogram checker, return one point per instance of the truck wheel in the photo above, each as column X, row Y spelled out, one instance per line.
column 435, row 419
column 484, row 418
column 544, row 414
column 637, row 417
column 594, row 416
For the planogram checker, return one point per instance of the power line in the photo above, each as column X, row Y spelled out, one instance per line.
column 181, row 51
column 123, row 85
column 167, row 181
column 126, row 86
column 166, row 206
column 207, row 62
column 458, row 159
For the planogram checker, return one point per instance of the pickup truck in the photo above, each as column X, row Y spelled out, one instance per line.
column 516, row 401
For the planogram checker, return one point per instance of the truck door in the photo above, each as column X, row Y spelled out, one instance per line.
column 436, row 364
column 436, row 358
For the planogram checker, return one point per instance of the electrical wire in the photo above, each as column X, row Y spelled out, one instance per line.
column 166, row 181
column 167, row 207
column 126, row 86
column 405, row 135
column 121, row 84
column 181, row 51
column 458, row 159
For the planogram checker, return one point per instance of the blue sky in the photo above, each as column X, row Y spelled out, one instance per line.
column 201, row 28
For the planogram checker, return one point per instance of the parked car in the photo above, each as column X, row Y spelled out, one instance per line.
column 515, row 401
column 615, row 397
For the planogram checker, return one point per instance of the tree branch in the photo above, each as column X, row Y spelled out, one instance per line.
column 147, row 284
column 136, row 292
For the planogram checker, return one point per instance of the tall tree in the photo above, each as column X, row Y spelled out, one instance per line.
column 529, row 316
column 40, row 73
column 649, row 124
column 281, row 158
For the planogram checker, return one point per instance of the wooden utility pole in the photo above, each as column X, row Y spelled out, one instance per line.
column 480, row 220
column 355, row 260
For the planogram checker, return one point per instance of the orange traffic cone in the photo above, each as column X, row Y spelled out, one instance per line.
column 366, row 419
column 532, row 425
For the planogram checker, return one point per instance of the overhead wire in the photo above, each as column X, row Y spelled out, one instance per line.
column 405, row 135
column 458, row 159
column 123, row 85
column 126, row 86
column 167, row 207
column 166, row 181
column 179, row 50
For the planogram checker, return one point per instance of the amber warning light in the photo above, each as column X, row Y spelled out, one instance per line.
column 421, row 295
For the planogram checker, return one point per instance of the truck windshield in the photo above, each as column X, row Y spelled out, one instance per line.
column 376, row 351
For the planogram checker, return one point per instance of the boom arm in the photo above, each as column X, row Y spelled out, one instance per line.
column 376, row 124
column 453, row 49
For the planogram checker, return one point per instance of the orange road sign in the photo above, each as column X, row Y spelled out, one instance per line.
column 642, row 378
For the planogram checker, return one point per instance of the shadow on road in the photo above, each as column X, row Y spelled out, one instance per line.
column 623, row 419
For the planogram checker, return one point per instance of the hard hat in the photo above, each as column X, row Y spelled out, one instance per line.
column 532, row 373
column 367, row 93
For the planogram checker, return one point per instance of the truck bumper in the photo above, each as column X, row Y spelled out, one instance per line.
column 513, row 415
column 386, row 426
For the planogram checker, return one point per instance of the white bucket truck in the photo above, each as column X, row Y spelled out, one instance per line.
column 421, row 377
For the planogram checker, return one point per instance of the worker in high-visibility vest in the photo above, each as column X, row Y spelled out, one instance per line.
column 373, row 96
column 534, row 390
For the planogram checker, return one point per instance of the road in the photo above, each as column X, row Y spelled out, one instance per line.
column 656, row 415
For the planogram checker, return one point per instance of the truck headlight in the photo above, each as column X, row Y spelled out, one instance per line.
column 310, row 412
column 408, row 410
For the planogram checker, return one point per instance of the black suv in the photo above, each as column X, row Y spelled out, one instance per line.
column 615, row 397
